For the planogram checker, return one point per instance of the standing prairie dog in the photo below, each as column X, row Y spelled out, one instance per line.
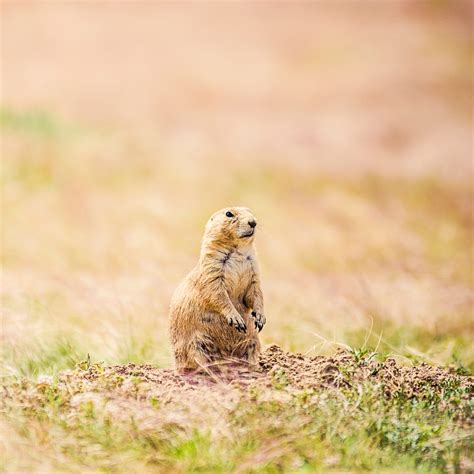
column 216, row 312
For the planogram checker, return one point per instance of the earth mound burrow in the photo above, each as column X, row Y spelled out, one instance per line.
column 158, row 397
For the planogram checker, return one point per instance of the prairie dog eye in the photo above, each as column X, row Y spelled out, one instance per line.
column 229, row 214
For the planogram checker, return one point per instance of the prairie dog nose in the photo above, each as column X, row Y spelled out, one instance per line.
column 252, row 223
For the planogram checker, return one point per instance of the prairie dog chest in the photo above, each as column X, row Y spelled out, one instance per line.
column 239, row 268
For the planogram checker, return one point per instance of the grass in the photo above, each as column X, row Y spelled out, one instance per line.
column 276, row 429
column 37, row 122
column 96, row 279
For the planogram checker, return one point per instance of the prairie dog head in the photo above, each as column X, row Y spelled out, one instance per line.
column 231, row 226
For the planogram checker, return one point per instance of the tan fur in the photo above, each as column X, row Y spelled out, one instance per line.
column 217, row 310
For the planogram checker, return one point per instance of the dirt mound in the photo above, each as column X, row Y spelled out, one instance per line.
column 137, row 391
column 346, row 369
column 160, row 401
column 277, row 369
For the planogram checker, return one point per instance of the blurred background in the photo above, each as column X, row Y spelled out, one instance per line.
column 345, row 126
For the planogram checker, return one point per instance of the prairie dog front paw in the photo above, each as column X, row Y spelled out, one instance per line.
column 236, row 320
column 259, row 320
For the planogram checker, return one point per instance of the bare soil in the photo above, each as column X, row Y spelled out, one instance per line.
column 130, row 388
column 341, row 370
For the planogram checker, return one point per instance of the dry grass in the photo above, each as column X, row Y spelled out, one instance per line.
column 346, row 128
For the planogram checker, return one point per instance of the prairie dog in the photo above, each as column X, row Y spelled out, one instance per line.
column 217, row 311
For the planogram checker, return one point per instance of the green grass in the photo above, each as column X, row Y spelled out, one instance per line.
column 37, row 123
column 416, row 344
column 43, row 359
column 268, row 430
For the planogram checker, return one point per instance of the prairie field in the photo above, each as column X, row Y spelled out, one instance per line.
column 345, row 126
